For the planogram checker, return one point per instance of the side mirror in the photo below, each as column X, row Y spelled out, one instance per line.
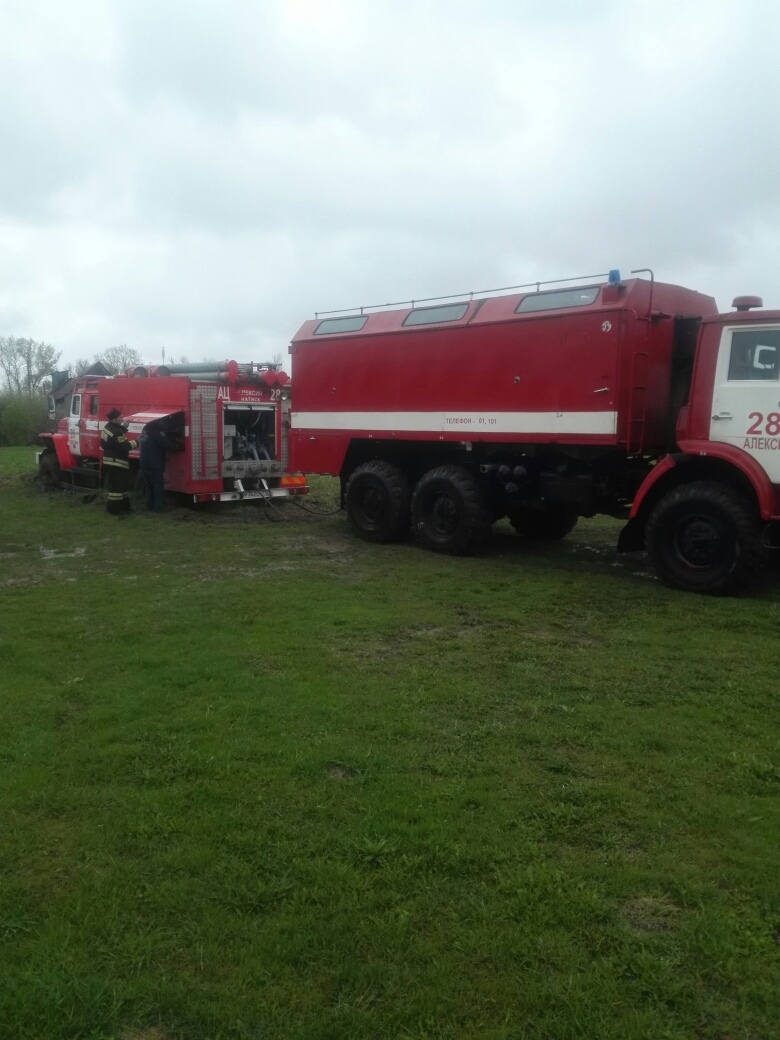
column 765, row 358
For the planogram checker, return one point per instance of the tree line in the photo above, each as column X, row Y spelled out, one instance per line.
column 25, row 379
column 26, row 368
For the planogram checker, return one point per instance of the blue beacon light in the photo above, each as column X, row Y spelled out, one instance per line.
column 614, row 276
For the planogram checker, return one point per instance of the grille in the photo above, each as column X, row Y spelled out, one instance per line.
column 203, row 424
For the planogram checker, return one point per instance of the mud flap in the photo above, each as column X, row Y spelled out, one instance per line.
column 632, row 537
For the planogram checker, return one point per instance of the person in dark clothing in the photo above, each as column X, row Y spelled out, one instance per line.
column 153, row 449
column 116, row 447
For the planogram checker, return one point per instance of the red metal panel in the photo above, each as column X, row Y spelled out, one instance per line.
column 129, row 394
column 59, row 441
column 317, row 453
column 552, row 364
column 612, row 357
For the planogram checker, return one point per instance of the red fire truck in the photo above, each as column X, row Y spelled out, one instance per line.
column 549, row 402
column 227, row 427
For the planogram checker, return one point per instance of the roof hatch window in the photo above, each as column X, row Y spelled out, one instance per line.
column 331, row 325
column 552, row 301
column 433, row 315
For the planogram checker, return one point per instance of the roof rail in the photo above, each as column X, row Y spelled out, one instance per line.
column 457, row 296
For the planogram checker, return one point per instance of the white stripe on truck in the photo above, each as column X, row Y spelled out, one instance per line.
column 603, row 423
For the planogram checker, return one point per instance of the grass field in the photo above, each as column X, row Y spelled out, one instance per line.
column 262, row 781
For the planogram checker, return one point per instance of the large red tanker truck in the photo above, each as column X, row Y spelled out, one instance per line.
column 543, row 404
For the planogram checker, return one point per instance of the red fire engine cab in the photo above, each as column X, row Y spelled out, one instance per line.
column 631, row 398
column 227, row 427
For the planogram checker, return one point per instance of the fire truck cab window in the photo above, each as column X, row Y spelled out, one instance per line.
column 755, row 355
column 75, row 405
column 93, row 404
column 433, row 315
column 552, row 301
column 331, row 325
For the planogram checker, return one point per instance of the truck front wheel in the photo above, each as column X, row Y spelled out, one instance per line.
column 703, row 537
column 377, row 502
column 448, row 511
column 49, row 470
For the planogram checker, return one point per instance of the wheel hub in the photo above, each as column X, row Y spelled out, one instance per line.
column 372, row 505
column 701, row 543
column 444, row 515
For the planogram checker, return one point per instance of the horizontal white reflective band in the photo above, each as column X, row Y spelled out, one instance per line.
column 604, row 423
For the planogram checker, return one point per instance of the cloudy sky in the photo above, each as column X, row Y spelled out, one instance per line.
column 202, row 175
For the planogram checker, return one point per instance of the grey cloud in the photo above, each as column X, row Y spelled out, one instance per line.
column 202, row 174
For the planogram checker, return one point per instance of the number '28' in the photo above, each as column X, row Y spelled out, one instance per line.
column 772, row 427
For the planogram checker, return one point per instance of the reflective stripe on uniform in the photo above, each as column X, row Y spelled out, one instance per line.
column 119, row 463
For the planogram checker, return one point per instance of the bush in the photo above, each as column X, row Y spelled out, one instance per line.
column 22, row 419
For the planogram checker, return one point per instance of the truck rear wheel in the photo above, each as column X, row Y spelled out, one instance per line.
column 544, row 525
column 448, row 511
column 377, row 501
column 703, row 537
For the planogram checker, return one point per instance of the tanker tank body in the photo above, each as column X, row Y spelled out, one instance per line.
column 539, row 404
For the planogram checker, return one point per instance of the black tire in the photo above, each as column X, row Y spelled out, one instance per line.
column 49, row 471
column 449, row 512
column 704, row 537
column 377, row 502
column 544, row 525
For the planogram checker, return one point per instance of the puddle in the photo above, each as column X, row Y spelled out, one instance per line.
column 59, row 554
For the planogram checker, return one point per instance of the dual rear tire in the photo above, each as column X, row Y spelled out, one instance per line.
column 447, row 510
column 378, row 502
column 449, row 513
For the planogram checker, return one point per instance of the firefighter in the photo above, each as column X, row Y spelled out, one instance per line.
column 116, row 447
column 153, row 448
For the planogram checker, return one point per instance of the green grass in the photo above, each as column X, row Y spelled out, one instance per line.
column 262, row 780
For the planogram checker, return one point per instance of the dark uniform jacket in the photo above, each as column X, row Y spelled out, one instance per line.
column 153, row 447
column 116, row 445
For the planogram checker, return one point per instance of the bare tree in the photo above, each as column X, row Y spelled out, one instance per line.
column 80, row 366
column 26, row 365
column 117, row 359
